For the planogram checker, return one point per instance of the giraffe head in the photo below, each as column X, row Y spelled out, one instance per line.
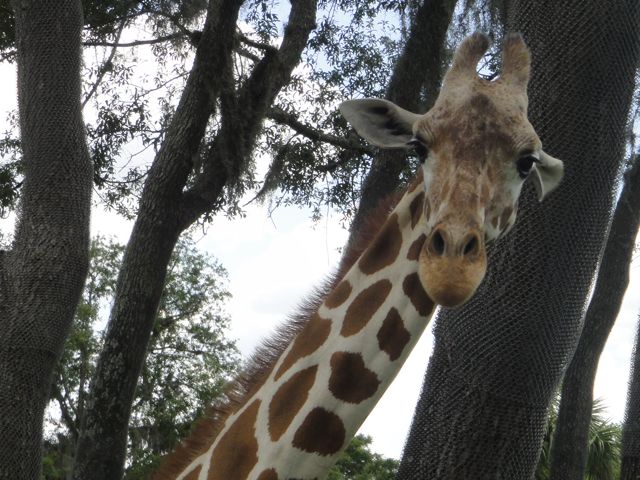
column 477, row 148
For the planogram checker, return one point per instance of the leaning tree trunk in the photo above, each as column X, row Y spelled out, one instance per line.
column 418, row 69
column 168, row 206
column 630, row 468
column 41, row 277
column 569, row 447
column 102, row 441
column 497, row 360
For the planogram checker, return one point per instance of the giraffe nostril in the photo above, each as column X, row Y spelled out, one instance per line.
column 472, row 246
column 437, row 243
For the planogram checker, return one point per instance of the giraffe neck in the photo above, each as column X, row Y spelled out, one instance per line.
column 323, row 386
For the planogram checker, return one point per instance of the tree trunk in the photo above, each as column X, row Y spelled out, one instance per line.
column 630, row 468
column 569, row 447
column 498, row 360
column 41, row 277
column 102, row 444
column 165, row 211
column 419, row 69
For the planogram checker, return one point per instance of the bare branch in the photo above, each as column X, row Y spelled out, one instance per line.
column 9, row 55
column 105, row 67
column 130, row 16
column 351, row 142
column 151, row 41
column 247, row 54
column 176, row 22
column 66, row 407
column 259, row 45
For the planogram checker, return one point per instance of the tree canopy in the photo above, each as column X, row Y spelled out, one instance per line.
column 189, row 358
column 358, row 462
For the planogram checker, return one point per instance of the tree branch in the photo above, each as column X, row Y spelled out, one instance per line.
column 9, row 55
column 151, row 41
column 68, row 419
column 175, row 22
column 247, row 54
column 352, row 142
column 243, row 112
column 104, row 68
column 252, row 43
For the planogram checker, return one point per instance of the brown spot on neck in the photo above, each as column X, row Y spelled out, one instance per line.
column 237, row 451
column 194, row 474
column 416, row 246
column 270, row 474
column 364, row 306
column 261, row 365
column 384, row 249
column 321, row 432
column 312, row 336
column 350, row 380
column 339, row 295
column 288, row 401
column 415, row 291
column 393, row 336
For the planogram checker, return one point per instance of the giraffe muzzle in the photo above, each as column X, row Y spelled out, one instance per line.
column 452, row 264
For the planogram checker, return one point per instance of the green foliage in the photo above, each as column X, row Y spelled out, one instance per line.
column 7, row 28
column 603, row 461
column 50, row 469
column 130, row 94
column 188, row 360
column 358, row 462
column 117, row 90
column 344, row 59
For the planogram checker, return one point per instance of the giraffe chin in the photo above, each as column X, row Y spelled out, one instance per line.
column 450, row 282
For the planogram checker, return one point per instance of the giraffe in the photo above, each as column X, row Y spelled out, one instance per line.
column 307, row 391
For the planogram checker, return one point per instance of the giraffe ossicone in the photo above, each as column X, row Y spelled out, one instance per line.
column 305, row 394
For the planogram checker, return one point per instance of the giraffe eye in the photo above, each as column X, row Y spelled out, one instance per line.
column 525, row 164
column 418, row 147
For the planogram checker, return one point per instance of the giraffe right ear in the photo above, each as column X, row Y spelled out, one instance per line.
column 547, row 174
column 380, row 122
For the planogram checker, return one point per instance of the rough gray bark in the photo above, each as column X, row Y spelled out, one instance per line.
column 569, row 447
column 41, row 277
column 419, row 67
column 630, row 468
column 166, row 210
column 497, row 360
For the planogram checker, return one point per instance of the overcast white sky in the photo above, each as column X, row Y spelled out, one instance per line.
column 273, row 262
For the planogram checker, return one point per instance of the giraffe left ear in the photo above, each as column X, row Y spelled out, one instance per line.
column 547, row 174
column 380, row 122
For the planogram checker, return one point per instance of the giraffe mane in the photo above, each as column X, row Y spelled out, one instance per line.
column 265, row 356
